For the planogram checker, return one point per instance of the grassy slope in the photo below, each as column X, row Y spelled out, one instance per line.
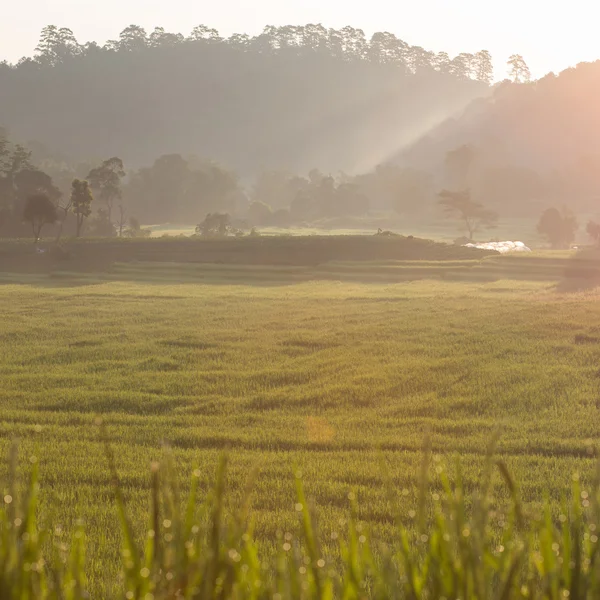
column 323, row 374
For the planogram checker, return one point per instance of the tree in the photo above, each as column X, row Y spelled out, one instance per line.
column 106, row 180
column 214, row 225
column 593, row 230
column 100, row 225
column 132, row 39
column 39, row 210
column 519, row 71
column 558, row 227
column 81, row 202
column 30, row 181
column 260, row 213
column 484, row 68
column 473, row 215
column 56, row 45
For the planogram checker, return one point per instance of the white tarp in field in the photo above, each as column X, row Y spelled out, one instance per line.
column 502, row 247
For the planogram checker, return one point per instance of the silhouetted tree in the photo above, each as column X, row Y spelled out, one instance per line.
column 558, row 227
column 81, row 202
column 214, row 225
column 519, row 71
column 593, row 230
column 473, row 215
column 39, row 211
column 106, row 180
column 57, row 45
column 260, row 213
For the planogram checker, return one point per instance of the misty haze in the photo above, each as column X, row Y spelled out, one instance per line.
column 302, row 312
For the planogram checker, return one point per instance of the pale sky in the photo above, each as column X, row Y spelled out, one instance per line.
column 552, row 35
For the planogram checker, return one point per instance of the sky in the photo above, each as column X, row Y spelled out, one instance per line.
column 552, row 35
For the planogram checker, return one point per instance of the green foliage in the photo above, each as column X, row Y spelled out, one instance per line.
column 455, row 546
column 327, row 368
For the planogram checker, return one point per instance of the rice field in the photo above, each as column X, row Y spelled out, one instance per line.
column 335, row 371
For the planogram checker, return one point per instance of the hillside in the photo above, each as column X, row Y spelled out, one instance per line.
column 292, row 97
column 530, row 144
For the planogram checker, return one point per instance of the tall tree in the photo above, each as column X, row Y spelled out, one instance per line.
column 81, row 202
column 132, row 39
column 473, row 215
column 519, row 71
column 106, row 180
column 39, row 211
column 56, row 45
column 484, row 67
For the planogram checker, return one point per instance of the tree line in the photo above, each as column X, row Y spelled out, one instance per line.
column 288, row 98
column 58, row 45
column 110, row 201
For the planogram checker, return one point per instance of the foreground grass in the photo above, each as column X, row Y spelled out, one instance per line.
column 457, row 546
column 324, row 375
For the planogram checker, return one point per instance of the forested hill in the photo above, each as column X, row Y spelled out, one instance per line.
column 291, row 97
column 551, row 125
